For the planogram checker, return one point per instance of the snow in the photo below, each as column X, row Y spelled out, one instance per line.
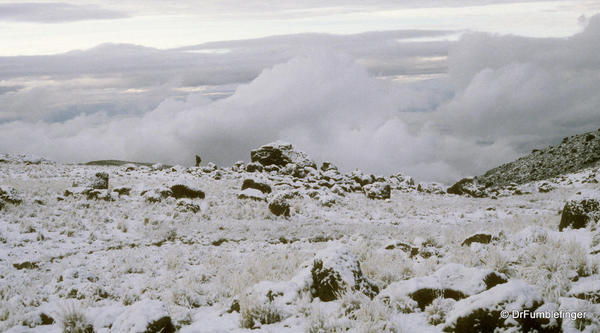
column 127, row 261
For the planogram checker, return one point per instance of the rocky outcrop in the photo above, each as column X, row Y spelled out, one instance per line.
column 378, row 190
column 483, row 312
column 280, row 154
column 278, row 205
column 572, row 154
column 453, row 281
column 99, row 181
column 335, row 271
column 467, row 186
column 252, row 194
column 10, row 194
column 256, row 184
column 580, row 210
column 477, row 238
column 179, row 191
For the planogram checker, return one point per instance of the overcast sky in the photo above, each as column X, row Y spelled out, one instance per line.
column 438, row 89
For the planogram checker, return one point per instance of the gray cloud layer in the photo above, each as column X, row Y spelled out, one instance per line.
column 129, row 79
column 55, row 12
column 503, row 96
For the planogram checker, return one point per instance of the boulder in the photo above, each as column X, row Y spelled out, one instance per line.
column 482, row 312
column 123, row 190
column 255, row 184
column 251, row 193
column 281, row 153
column 146, row 316
column 254, row 167
column 545, row 187
column 1, row 204
column 94, row 194
column 9, row 194
column 377, row 190
column 325, row 199
column 156, row 194
column 337, row 270
column 328, row 166
column 467, row 186
column 477, row 238
column 450, row 281
column 279, row 206
column 580, row 210
column 432, row 188
column 99, row 181
column 187, row 205
column 332, row 272
column 179, row 191
column 361, row 178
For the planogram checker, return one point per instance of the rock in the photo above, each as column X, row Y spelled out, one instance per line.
column 156, row 194
column 238, row 166
column 280, row 153
column 37, row 318
column 580, row 210
column 179, row 191
column 123, row 190
column 401, row 182
column 1, row 204
column 254, row 167
column 253, row 183
column 453, row 281
column 482, row 312
column 432, row 188
column 361, row 178
column 251, row 193
column 576, row 153
column 407, row 248
column 92, row 194
column 100, row 181
column 187, row 205
column 326, row 200
column 377, row 190
column 146, row 316
column 332, row 272
column 335, row 271
column 477, row 238
column 328, row 166
column 210, row 167
column 279, row 206
column 545, row 187
column 467, row 186
column 198, row 161
column 9, row 194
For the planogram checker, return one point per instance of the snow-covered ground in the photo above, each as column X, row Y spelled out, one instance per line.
column 119, row 262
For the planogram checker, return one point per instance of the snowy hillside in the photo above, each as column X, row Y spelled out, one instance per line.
column 285, row 244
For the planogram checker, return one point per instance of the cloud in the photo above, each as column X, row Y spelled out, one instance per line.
column 123, row 78
column 55, row 12
column 504, row 96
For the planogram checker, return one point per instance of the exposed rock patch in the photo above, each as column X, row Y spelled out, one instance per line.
column 580, row 211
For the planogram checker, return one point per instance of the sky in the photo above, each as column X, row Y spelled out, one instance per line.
column 437, row 89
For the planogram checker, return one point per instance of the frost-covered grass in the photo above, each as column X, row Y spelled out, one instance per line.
column 108, row 255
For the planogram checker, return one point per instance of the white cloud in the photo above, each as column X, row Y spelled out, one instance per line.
column 510, row 93
column 55, row 12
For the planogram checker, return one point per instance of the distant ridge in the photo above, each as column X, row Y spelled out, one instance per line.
column 571, row 155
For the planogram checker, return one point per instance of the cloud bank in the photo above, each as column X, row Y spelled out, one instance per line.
column 55, row 12
column 504, row 95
